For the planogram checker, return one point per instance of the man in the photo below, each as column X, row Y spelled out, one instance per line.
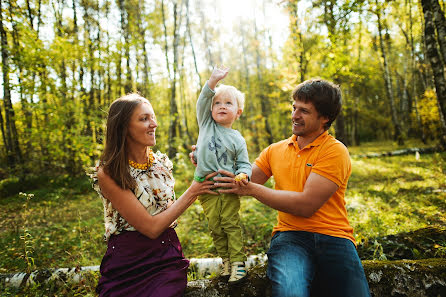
column 312, row 249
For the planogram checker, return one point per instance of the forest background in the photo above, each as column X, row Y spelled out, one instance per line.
column 64, row 62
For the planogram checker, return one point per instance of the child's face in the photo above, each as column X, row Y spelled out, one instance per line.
column 225, row 110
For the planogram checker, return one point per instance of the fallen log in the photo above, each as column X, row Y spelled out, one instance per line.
column 419, row 278
column 424, row 243
column 55, row 275
column 412, row 278
column 199, row 268
column 427, row 150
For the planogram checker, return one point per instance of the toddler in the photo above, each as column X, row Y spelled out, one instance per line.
column 221, row 147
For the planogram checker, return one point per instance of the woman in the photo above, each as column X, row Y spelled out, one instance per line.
column 144, row 256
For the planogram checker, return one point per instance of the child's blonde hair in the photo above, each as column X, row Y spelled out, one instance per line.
column 231, row 91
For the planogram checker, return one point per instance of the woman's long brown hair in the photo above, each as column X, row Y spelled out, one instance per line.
column 114, row 160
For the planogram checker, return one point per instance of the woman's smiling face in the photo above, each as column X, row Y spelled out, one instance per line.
column 142, row 126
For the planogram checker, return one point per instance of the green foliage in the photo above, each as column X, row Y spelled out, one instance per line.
column 10, row 186
column 429, row 114
column 60, row 100
column 14, row 185
column 26, row 237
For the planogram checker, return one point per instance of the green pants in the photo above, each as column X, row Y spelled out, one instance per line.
column 224, row 223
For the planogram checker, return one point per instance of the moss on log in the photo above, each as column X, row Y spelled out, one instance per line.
column 419, row 278
column 419, row 244
column 412, row 278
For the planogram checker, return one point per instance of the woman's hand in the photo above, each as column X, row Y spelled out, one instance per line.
column 230, row 185
column 204, row 187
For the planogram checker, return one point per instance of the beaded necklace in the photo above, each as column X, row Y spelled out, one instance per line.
column 144, row 166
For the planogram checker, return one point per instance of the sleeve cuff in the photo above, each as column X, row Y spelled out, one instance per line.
column 206, row 86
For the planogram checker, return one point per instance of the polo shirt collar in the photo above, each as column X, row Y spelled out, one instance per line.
column 293, row 140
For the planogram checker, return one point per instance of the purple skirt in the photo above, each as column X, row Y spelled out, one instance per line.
column 135, row 265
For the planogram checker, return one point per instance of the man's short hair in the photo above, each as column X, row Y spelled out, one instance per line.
column 324, row 95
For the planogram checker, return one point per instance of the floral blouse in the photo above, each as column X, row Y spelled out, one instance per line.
column 154, row 189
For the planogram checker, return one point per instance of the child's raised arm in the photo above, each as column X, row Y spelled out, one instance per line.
column 204, row 101
column 217, row 74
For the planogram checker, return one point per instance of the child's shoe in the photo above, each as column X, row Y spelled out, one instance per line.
column 225, row 270
column 238, row 273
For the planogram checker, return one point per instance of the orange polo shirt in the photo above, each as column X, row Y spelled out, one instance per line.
column 291, row 167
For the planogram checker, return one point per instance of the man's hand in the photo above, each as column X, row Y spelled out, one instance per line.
column 217, row 74
column 230, row 185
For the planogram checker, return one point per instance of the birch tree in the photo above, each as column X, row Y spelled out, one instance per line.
column 435, row 62
column 387, row 76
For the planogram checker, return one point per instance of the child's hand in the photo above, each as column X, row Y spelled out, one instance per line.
column 217, row 74
column 241, row 179
column 241, row 176
column 191, row 155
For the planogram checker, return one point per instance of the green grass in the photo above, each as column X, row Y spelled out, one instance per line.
column 64, row 224
column 394, row 194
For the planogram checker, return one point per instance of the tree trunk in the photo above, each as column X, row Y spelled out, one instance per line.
column 436, row 64
column 355, row 117
column 2, row 128
column 141, row 30
column 250, row 106
column 299, row 52
column 166, row 44
column 330, row 20
column 210, row 58
column 264, row 102
column 26, row 109
column 67, row 114
column 184, row 128
column 404, row 100
column 43, row 118
column 189, row 35
column 125, row 33
column 388, row 80
column 13, row 152
column 184, row 104
column 109, row 95
column 340, row 127
column 440, row 24
column 414, row 73
column 173, row 126
column 268, row 37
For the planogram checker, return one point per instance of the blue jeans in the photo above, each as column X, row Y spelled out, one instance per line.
column 302, row 263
